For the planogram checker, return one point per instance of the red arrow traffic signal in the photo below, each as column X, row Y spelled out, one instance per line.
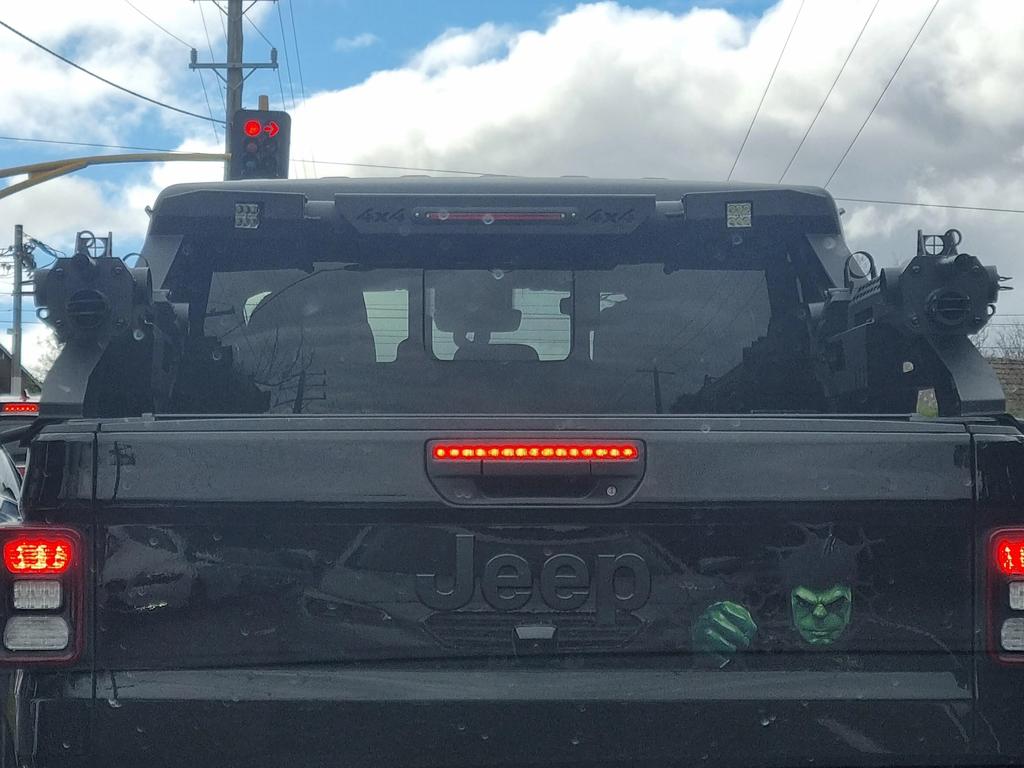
column 259, row 140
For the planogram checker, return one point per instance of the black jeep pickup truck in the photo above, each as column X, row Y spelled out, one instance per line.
column 506, row 472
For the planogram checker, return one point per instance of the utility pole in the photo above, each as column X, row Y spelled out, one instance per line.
column 234, row 66
column 233, row 95
column 19, row 259
column 657, row 374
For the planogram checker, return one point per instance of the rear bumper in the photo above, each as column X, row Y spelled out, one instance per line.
column 395, row 716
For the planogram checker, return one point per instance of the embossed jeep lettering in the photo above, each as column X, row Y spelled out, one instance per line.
column 622, row 583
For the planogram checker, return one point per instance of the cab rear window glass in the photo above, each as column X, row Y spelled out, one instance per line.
column 635, row 338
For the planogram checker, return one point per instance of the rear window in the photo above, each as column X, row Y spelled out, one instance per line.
column 343, row 338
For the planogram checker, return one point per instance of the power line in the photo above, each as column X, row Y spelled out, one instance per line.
column 882, row 94
column 102, row 79
column 156, row 23
column 259, row 31
column 287, row 58
column 398, row 167
column 209, row 45
column 277, row 70
column 827, row 95
column 209, row 108
column 199, row 72
column 280, row 86
column 765, row 94
column 85, row 144
column 379, row 166
column 220, row 85
column 931, row 205
column 295, row 160
column 298, row 56
column 298, row 62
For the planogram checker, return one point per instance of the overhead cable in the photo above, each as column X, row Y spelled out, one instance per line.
column 287, row 58
column 983, row 208
column 156, row 23
column 766, row 88
column 102, row 79
column 831, row 88
column 879, row 99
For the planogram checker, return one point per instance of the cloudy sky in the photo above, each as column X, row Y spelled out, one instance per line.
column 532, row 87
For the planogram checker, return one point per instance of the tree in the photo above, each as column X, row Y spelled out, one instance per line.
column 49, row 349
column 1004, row 340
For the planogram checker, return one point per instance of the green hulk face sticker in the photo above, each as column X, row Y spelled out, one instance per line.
column 821, row 616
column 818, row 575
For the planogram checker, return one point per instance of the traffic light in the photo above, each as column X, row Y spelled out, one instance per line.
column 259, row 144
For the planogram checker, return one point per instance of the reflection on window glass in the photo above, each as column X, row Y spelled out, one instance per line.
column 387, row 312
column 500, row 316
column 251, row 303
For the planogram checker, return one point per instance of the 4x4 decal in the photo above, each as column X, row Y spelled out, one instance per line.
column 601, row 216
column 382, row 215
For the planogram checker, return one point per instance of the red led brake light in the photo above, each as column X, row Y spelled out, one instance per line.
column 537, row 452
column 497, row 217
column 21, row 407
column 38, row 555
column 1009, row 555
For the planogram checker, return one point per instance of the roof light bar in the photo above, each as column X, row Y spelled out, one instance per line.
column 536, row 452
column 449, row 216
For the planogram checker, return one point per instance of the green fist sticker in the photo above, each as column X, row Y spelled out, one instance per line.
column 723, row 628
column 821, row 616
column 816, row 578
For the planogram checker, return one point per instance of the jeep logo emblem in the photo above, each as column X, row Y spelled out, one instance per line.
column 619, row 582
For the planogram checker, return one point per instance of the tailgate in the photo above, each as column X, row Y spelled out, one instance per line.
column 800, row 589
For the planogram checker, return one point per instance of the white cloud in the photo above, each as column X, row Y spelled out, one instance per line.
column 348, row 44
column 606, row 90
column 35, row 345
column 46, row 98
column 462, row 48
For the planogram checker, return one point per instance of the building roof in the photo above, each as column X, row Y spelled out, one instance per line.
column 1011, row 375
column 30, row 382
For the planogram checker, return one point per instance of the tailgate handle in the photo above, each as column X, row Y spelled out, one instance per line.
column 536, row 471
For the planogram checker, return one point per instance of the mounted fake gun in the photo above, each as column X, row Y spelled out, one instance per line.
column 104, row 314
column 889, row 333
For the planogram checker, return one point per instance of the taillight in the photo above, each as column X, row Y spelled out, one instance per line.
column 1006, row 594
column 23, row 407
column 38, row 554
column 43, row 579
